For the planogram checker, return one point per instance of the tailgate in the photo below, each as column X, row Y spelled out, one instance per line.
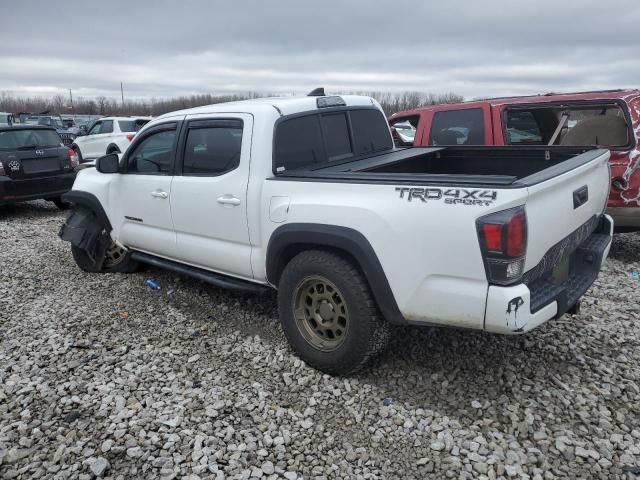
column 559, row 205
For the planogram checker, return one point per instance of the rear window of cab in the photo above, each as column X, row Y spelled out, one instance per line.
column 315, row 140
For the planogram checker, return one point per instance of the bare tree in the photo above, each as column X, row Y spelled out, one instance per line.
column 390, row 102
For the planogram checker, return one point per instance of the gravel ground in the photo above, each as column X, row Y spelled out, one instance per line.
column 101, row 376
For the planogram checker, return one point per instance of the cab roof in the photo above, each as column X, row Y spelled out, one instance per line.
column 283, row 105
column 622, row 94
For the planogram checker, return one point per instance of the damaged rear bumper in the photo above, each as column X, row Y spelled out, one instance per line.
column 523, row 307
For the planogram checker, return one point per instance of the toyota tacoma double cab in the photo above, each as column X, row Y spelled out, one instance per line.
column 309, row 196
column 610, row 119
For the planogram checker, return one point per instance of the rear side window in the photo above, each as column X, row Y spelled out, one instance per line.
column 577, row 124
column 131, row 125
column 107, row 126
column 213, row 150
column 313, row 140
column 522, row 128
column 458, row 127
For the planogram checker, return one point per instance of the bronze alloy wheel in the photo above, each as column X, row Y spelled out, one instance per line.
column 114, row 256
column 321, row 313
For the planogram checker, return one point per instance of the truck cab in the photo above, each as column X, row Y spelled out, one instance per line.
column 610, row 119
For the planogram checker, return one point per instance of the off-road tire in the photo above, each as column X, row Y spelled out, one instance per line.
column 85, row 263
column 368, row 332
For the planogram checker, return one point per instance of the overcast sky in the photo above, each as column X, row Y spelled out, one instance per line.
column 165, row 48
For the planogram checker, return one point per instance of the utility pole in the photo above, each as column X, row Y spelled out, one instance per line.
column 122, row 94
column 71, row 97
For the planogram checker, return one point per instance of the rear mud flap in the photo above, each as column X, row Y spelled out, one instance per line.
column 83, row 230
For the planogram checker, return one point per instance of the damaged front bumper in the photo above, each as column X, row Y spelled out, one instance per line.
column 544, row 294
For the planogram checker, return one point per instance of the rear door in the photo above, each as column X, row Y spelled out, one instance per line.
column 209, row 193
column 141, row 196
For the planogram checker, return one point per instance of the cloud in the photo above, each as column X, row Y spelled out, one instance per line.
column 166, row 48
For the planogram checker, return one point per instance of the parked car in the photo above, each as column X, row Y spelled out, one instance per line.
column 308, row 195
column 34, row 164
column 108, row 135
column 610, row 119
column 403, row 132
column 54, row 121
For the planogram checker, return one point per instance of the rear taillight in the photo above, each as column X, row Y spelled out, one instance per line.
column 130, row 136
column 73, row 158
column 503, row 241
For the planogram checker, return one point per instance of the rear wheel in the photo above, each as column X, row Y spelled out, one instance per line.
column 113, row 149
column 328, row 313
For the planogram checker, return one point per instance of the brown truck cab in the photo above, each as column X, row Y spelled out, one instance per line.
column 609, row 119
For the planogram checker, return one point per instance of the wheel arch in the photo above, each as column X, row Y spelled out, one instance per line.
column 91, row 202
column 113, row 148
column 291, row 239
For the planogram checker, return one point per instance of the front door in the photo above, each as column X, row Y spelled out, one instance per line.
column 209, row 194
column 142, row 194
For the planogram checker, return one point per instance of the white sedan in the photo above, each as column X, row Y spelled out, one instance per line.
column 107, row 135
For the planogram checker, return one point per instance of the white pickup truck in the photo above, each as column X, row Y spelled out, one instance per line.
column 310, row 197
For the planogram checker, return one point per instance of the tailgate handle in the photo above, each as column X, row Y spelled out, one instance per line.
column 580, row 196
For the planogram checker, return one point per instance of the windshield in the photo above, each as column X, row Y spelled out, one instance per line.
column 131, row 125
column 24, row 139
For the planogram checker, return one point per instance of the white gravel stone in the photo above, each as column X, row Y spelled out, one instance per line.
column 202, row 383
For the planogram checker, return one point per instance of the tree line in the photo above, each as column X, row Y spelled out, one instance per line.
column 390, row 102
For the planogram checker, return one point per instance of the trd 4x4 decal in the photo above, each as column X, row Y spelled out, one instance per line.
column 451, row 196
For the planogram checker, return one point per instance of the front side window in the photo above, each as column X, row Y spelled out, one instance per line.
column 95, row 129
column 107, row 126
column 458, row 127
column 153, row 155
column 213, row 150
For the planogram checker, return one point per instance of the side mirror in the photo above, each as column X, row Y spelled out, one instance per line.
column 108, row 163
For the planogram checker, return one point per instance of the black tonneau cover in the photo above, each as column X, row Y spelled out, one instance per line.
column 505, row 167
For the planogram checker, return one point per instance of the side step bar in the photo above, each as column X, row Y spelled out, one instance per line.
column 216, row 279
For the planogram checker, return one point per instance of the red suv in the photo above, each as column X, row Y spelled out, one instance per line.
column 606, row 118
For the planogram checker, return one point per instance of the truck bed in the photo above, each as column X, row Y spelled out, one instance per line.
column 506, row 167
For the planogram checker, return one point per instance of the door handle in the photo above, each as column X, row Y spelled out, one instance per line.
column 229, row 200
column 159, row 194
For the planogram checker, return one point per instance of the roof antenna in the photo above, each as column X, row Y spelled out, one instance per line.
column 317, row 92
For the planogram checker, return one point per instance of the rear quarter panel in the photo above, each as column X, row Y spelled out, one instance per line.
column 428, row 249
